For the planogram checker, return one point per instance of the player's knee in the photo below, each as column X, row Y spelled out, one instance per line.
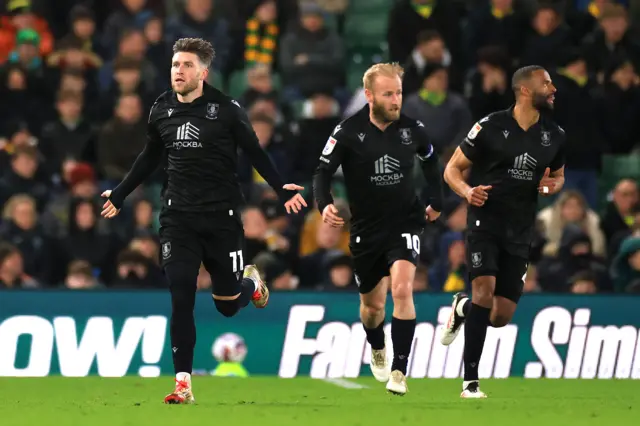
column 499, row 320
column 228, row 308
column 402, row 291
column 372, row 308
column 482, row 293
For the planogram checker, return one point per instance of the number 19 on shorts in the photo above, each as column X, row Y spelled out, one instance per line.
column 413, row 242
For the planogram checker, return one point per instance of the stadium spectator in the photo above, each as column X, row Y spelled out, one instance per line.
column 445, row 114
column 626, row 267
column 408, row 17
column 132, row 14
column 339, row 276
column 495, row 24
column 610, row 39
column 200, row 19
column 570, row 208
column 134, row 270
column 277, row 273
column 429, row 50
column 576, row 112
column 132, row 45
column 259, row 85
column 619, row 106
column 318, row 118
column 449, row 273
column 313, row 268
column 543, row 46
column 122, row 138
column 81, row 183
column 87, row 239
column 83, row 29
column 620, row 213
column 20, row 17
column 311, row 56
column 71, row 136
column 575, row 255
column 80, row 276
column 20, row 228
column 11, row 269
column 20, row 178
column 487, row 85
column 158, row 51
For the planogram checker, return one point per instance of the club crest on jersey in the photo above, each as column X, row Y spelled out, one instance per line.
column 166, row 250
column 476, row 259
column 328, row 148
column 546, row 138
column 212, row 111
column 405, row 136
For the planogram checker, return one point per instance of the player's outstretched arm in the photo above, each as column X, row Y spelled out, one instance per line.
column 145, row 164
column 330, row 159
column 453, row 175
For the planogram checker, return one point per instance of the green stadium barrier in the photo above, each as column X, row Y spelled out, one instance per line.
column 116, row 333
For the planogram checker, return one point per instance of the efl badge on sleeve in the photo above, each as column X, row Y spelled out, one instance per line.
column 328, row 148
column 212, row 111
column 474, row 131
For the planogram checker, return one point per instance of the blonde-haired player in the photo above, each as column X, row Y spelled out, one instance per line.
column 377, row 148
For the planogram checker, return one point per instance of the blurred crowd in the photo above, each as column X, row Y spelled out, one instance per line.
column 78, row 78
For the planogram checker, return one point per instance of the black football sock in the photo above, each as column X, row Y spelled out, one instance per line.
column 248, row 288
column 402, row 337
column 475, row 332
column 375, row 336
column 182, row 326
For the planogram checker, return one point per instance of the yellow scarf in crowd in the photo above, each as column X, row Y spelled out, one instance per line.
column 424, row 10
column 260, row 45
column 499, row 14
column 454, row 283
column 581, row 81
column 594, row 10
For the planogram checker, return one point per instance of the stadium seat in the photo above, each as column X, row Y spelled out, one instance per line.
column 359, row 60
column 238, row 83
column 365, row 30
column 369, row 6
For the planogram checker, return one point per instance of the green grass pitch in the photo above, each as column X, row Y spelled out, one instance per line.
column 268, row 401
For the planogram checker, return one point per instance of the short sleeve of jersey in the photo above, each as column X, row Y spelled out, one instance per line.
column 334, row 149
column 472, row 144
column 558, row 160
column 425, row 148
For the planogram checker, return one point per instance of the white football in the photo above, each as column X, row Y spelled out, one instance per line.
column 229, row 347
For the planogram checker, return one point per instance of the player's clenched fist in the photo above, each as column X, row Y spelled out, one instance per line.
column 330, row 216
column 478, row 195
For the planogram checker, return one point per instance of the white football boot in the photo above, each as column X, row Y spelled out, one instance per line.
column 380, row 365
column 456, row 319
column 182, row 393
column 471, row 390
column 261, row 295
column 397, row 383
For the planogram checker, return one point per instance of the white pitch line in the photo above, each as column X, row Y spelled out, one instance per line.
column 346, row 384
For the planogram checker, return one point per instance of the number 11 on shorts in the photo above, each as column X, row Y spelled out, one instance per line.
column 413, row 242
column 238, row 261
